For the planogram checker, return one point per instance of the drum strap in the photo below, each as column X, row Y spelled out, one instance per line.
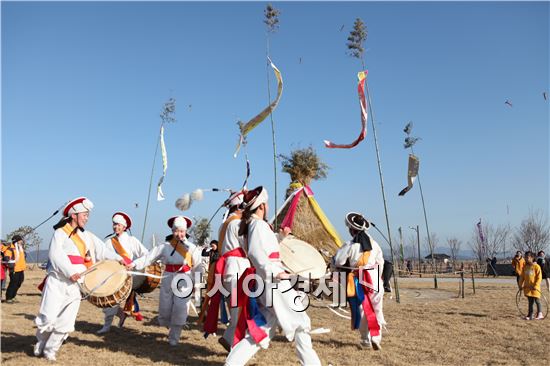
column 182, row 251
column 221, row 235
column 120, row 250
column 78, row 242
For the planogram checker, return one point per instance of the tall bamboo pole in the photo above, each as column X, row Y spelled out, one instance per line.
column 150, row 185
column 396, row 285
column 427, row 227
column 272, row 127
column 271, row 20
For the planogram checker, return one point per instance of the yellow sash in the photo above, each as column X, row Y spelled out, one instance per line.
column 223, row 229
column 119, row 248
column 212, row 267
column 182, row 251
column 77, row 240
column 351, row 276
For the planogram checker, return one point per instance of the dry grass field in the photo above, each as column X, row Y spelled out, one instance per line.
column 429, row 327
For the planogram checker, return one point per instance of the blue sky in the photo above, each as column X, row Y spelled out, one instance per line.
column 83, row 85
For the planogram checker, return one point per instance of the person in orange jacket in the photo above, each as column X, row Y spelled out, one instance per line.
column 17, row 274
column 517, row 264
column 530, row 281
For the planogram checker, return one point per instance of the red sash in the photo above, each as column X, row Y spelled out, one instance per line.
column 75, row 259
column 212, row 313
column 368, row 309
column 177, row 268
column 246, row 322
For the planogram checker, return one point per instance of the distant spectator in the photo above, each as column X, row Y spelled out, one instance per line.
column 544, row 266
column 387, row 272
column 409, row 267
column 212, row 252
column 517, row 264
column 17, row 274
column 494, row 266
column 530, row 280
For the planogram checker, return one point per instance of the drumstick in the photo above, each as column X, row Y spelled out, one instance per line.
column 289, row 248
column 88, row 271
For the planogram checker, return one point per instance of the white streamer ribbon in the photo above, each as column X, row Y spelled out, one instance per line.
column 160, row 194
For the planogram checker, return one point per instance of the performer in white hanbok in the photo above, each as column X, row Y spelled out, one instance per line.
column 182, row 258
column 276, row 307
column 363, row 260
column 129, row 248
column 72, row 251
column 231, row 265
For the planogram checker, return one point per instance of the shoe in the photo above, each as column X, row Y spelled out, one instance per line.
column 224, row 343
column 50, row 357
column 528, row 318
column 104, row 330
column 365, row 343
column 38, row 349
column 172, row 343
column 376, row 345
column 10, row 301
column 539, row 316
column 123, row 317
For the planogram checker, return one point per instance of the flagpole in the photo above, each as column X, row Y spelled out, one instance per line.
column 396, row 285
column 272, row 126
column 426, row 221
column 150, row 186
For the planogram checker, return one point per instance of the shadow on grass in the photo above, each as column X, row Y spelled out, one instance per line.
column 144, row 345
column 151, row 345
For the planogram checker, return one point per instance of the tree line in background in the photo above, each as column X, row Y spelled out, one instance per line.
column 501, row 241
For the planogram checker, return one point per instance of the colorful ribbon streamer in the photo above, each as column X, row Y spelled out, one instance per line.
column 414, row 164
column 293, row 200
column 245, row 128
column 362, row 76
column 160, row 194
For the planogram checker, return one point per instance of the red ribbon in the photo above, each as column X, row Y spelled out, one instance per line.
column 246, row 322
column 363, row 104
column 211, row 322
column 374, row 327
column 177, row 268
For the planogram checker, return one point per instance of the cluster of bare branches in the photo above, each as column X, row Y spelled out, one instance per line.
column 200, row 231
column 494, row 241
column 168, row 114
column 356, row 39
column 304, row 165
column 533, row 233
column 454, row 248
column 271, row 18
column 31, row 237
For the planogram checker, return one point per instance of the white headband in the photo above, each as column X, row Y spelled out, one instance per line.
column 261, row 198
column 119, row 219
column 84, row 206
column 179, row 223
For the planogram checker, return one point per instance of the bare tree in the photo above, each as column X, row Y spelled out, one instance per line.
column 434, row 240
column 454, row 247
column 494, row 241
column 200, row 231
column 533, row 233
column 30, row 237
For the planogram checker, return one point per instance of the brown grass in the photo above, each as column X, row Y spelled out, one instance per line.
column 429, row 327
column 308, row 228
